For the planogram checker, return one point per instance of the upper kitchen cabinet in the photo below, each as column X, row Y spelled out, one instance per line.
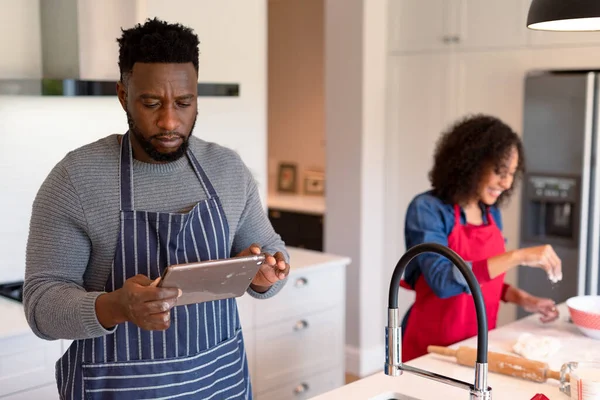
column 434, row 25
column 20, row 45
column 421, row 103
column 489, row 24
column 549, row 38
column 79, row 37
column 414, row 26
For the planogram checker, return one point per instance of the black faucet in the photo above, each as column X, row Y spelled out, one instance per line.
column 393, row 334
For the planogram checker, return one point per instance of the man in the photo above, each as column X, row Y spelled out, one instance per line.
column 114, row 213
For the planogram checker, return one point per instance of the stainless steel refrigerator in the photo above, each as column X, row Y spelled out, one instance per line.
column 560, row 203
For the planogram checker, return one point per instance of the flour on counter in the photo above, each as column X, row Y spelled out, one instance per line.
column 538, row 348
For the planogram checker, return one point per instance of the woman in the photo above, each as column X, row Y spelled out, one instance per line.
column 475, row 165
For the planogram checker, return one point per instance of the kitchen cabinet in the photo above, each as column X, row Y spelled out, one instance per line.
column 294, row 341
column 27, row 360
column 414, row 26
column 20, row 46
column 298, row 229
column 421, row 102
column 548, row 38
column 491, row 24
column 466, row 25
column 449, row 25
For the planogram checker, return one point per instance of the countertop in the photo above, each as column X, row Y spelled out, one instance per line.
column 574, row 347
column 297, row 203
column 303, row 258
column 13, row 317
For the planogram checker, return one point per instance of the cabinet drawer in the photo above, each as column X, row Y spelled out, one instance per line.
column 307, row 387
column 304, row 293
column 48, row 392
column 245, row 305
column 27, row 361
column 290, row 349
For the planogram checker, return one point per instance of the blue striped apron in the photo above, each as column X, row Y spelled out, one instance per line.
column 202, row 354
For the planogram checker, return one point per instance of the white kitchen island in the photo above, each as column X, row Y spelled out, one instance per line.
column 575, row 347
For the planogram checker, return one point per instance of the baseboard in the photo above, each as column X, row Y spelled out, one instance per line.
column 364, row 362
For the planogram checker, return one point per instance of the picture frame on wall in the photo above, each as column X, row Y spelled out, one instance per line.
column 287, row 178
column 314, row 183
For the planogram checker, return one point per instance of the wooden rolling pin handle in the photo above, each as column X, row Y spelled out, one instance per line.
column 445, row 351
column 553, row 375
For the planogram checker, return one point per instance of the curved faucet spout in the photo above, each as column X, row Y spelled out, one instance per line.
column 394, row 366
column 482, row 325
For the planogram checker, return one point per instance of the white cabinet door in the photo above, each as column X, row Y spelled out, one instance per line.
column 27, row 361
column 415, row 26
column 492, row 24
column 420, row 105
column 549, row 38
column 492, row 83
column 48, row 392
column 20, row 45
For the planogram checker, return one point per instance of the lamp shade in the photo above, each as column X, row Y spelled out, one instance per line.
column 564, row 15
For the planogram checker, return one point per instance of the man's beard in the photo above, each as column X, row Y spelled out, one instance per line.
column 149, row 147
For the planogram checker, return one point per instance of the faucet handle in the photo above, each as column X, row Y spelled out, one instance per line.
column 393, row 344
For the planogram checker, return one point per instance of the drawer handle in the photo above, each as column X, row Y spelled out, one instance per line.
column 300, row 325
column 301, row 388
column 301, row 282
column 275, row 214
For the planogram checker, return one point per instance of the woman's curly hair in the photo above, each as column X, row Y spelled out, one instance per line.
column 466, row 151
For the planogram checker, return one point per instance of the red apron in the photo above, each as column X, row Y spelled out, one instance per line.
column 443, row 322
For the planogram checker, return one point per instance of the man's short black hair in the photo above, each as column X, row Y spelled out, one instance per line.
column 156, row 41
column 466, row 150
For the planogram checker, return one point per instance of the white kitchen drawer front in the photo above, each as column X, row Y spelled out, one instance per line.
column 305, row 292
column 250, row 343
column 27, row 361
column 287, row 350
column 307, row 388
column 245, row 305
column 47, row 392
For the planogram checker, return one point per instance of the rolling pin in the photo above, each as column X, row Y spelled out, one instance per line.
column 505, row 364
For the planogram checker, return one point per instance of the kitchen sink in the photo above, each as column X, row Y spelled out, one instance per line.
column 393, row 396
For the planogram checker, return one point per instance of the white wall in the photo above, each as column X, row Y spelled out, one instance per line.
column 296, row 120
column 355, row 37
column 38, row 131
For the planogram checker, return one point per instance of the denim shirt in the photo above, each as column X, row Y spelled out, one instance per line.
column 429, row 219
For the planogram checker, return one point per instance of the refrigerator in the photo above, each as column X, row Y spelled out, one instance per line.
column 560, row 193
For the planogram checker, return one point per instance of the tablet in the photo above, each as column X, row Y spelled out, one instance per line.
column 212, row 280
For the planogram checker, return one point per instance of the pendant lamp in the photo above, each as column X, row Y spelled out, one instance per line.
column 564, row 15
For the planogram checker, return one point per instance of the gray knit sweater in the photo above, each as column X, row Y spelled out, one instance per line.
column 75, row 224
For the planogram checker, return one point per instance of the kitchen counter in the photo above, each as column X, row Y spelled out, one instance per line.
column 13, row 317
column 304, row 258
column 12, row 311
column 574, row 347
column 297, row 203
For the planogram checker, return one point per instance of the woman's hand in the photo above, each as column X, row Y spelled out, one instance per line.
column 543, row 257
column 545, row 307
column 532, row 304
